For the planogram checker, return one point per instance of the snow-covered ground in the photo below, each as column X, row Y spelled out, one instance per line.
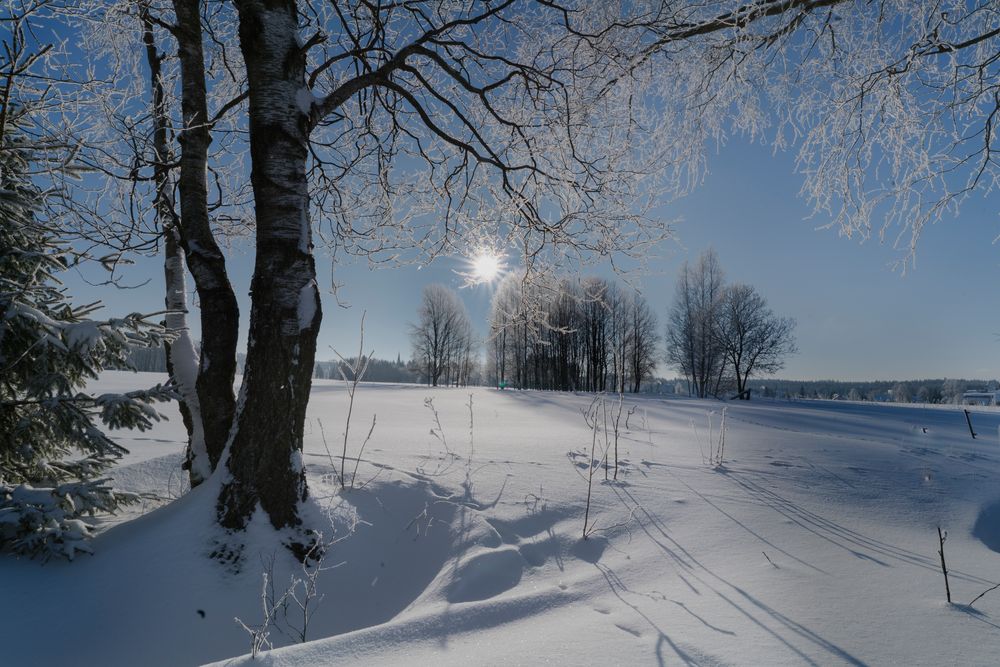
column 815, row 542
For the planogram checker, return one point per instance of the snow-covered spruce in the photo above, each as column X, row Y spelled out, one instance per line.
column 52, row 455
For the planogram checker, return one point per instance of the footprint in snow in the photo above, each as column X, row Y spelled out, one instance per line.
column 631, row 631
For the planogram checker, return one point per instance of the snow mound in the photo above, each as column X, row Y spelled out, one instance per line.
column 486, row 575
column 987, row 526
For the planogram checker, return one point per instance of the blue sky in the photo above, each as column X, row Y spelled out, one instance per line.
column 857, row 318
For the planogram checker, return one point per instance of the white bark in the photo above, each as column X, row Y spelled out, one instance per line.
column 183, row 358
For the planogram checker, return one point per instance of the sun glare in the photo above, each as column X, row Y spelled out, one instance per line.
column 485, row 267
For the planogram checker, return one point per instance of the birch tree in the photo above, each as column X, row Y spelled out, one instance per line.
column 182, row 357
column 577, row 334
column 205, row 376
column 693, row 346
column 442, row 336
column 217, row 301
column 508, row 145
column 643, row 352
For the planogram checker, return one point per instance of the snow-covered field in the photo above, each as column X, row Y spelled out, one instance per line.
column 815, row 542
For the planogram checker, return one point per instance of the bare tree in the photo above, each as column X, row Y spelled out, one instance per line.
column 588, row 335
column 442, row 337
column 595, row 328
column 692, row 344
column 524, row 145
column 643, row 341
column 752, row 337
column 618, row 306
column 502, row 308
column 182, row 357
column 220, row 319
column 565, row 356
column 901, row 393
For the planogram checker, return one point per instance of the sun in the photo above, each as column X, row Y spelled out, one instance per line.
column 484, row 267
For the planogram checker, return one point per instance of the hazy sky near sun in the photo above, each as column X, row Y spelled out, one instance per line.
column 857, row 318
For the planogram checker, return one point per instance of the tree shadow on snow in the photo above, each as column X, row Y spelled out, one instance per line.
column 402, row 541
column 850, row 540
column 699, row 577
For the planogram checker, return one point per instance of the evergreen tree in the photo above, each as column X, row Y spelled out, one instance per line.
column 52, row 455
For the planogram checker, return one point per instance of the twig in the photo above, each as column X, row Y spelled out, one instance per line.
column 439, row 433
column 607, row 442
column 472, row 442
column 326, row 446
column 627, row 521
column 968, row 419
column 590, row 476
column 992, row 588
column 722, row 439
column 358, row 370
column 944, row 568
column 357, row 461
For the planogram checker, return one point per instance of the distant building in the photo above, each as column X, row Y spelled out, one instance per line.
column 981, row 397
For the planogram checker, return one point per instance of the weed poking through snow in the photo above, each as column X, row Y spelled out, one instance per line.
column 290, row 611
column 357, row 369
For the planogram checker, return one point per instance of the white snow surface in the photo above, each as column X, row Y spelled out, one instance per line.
column 814, row 544
column 308, row 297
column 304, row 97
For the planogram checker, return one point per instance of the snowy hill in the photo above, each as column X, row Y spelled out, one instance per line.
column 814, row 543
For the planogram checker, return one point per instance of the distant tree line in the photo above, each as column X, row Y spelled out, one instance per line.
column 145, row 359
column 376, row 370
column 935, row 391
column 154, row 360
column 719, row 336
column 579, row 335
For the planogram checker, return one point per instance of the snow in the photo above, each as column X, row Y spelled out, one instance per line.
column 305, row 232
column 815, row 542
column 308, row 297
column 185, row 360
column 297, row 463
column 84, row 336
column 305, row 99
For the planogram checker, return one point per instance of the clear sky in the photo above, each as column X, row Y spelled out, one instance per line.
column 857, row 318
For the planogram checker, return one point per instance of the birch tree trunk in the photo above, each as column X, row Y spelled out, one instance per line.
column 182, row 358
column 265, row 459
column 220, row 315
